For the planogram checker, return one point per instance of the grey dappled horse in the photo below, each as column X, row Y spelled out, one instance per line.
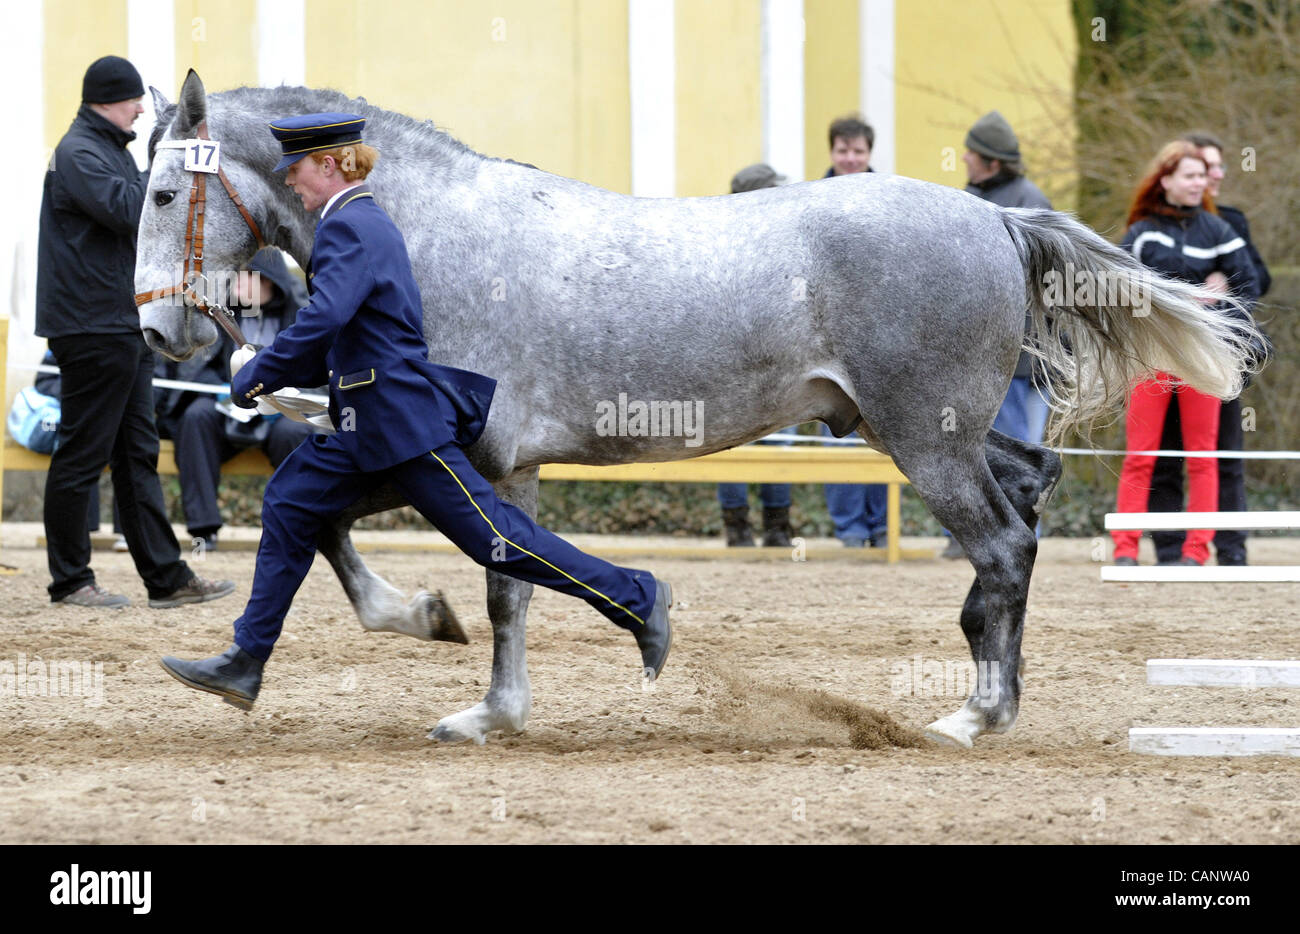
column 886, row 306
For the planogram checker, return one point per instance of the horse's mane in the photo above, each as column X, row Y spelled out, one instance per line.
column 386, row 125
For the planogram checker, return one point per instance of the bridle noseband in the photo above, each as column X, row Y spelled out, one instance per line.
column 193, row 270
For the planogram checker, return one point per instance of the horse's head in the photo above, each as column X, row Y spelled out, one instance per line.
column 177, row 240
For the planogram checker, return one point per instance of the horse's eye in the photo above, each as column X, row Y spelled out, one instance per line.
column 163, row 198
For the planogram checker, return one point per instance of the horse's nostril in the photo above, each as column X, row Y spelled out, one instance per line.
column 154, row 339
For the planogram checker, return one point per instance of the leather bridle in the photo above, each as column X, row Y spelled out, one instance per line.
column 193, row 270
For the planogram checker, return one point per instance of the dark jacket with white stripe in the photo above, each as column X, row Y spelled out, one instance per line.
column 1189, row 245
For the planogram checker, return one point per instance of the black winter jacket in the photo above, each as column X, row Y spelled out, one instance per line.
column 1237, row 221
column 1190, row 246
column 85, row 261
column 211, row 365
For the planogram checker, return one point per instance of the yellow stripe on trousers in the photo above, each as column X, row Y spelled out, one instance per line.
column 470, row 497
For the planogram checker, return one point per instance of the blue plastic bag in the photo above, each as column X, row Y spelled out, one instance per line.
column 34, row 421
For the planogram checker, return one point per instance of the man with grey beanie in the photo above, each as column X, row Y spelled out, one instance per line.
column 996, row 173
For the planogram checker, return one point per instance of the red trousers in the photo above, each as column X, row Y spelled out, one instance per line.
column 1146, row 415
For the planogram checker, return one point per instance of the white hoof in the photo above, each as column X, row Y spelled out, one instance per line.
column 475, row 724
column 956, row 729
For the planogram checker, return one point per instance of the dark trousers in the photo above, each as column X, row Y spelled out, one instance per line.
column 202, row 447
column 319, row 480
column 107, row 420
column 1167, row 484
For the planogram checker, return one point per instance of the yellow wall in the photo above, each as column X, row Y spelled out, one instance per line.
column 541, row 81
column 718, row 94
column 76, row 33
column 218, row 39
column 546, row 81
column 956, row 60
column 831, row 77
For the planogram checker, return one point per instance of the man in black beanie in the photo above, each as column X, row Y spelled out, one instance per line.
column 85, row 272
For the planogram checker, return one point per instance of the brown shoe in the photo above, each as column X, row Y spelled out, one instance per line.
column 198, row 590
column 96, row 596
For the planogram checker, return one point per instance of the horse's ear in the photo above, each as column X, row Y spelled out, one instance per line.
column 192, row 108
column 160, row 101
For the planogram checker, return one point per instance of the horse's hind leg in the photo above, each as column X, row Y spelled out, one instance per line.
column 509, row 698
column 1027, row 475
column 380, row 606
column 956, row 483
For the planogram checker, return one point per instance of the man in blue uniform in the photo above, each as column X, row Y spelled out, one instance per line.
column 399, row 418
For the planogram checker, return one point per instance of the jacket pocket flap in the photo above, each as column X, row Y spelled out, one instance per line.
column 359, row 378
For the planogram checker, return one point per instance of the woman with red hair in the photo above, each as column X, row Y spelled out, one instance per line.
column 1174, row 230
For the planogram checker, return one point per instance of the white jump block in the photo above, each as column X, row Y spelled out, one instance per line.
column 1177, row 521
column 1223, row 672
column 1215, row 741
column 1254, row 574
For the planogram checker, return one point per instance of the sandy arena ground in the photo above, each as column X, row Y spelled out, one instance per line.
column 738, row 742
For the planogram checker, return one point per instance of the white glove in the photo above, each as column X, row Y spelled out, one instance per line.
column 240, row 357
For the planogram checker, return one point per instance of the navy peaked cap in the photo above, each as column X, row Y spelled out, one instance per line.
column 308, row 133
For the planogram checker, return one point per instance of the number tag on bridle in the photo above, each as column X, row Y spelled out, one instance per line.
column 201, row 155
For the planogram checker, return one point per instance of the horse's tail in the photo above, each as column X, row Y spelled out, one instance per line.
column 1102, row 321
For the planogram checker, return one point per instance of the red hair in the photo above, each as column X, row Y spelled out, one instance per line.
column 1149, row 198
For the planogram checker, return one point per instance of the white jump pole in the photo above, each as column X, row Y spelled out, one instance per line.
column 1166, row 521
column 1163, row 521
column 1223, row 672
column 1215, row 741
column 1252, row 574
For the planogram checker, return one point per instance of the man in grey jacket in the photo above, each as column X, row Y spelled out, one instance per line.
column 995, row 173
column 85, row 271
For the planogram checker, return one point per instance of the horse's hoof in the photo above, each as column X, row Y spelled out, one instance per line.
column 441, row 619
column 449, row 735
column 957, row 739
column 956, row 729
column 944, row 739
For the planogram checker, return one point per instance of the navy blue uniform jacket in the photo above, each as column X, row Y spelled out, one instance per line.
column 363, row 334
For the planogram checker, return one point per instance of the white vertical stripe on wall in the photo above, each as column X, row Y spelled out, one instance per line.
column 151, row 47
column 876, row 54
column 281, row 43
column 783, row 117
column 21, row 50
column 651, row 66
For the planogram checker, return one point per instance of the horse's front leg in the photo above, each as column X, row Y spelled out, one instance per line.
column 510, row 697
column 380, row 606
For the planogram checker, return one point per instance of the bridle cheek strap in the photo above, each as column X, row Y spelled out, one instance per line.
column 193, row 269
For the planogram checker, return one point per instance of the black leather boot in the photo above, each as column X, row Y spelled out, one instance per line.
column 776, row 527
column 655, row 638
column 736, row 523
column 234, row 675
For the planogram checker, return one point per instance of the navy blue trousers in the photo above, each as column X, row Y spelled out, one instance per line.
column 319, row 480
